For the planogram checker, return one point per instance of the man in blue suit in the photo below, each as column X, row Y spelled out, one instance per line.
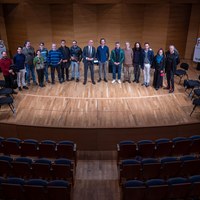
column 89, row 54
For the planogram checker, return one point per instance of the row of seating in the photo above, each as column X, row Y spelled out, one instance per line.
column 17, row 188
column 158, row 148
column 43, row 149
column 159, row 168
column 159, row 189
column 26, row 168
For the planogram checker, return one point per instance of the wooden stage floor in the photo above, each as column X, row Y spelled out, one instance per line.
column 104, row 105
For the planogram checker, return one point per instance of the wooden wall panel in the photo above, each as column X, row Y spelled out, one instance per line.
column 193, row 31
column 15, row 25
column 62, row 23
column 108, row 23
column 85, row 23
column 132, row 23
column 161, row 24
column 155, row 25
column 179, row 17
column 3, row 33
column 38, row 23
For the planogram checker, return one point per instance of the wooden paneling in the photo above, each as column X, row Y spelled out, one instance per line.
column 155, row 25
column 16, row 28
column 38, row 24
column 3, row 34
column 158, row 23
column 193, row 31
column 178, row 24
column 108, row 23
column 85, row 23
column 62, row 23
column 132, row 23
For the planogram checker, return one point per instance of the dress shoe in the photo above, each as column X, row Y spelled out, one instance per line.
column 129, row 81
column 99, row 80
column 84, row 83
column 124, row 81
column 93, row 82
column 134, row 81
column 25, row 87
column 105, row 80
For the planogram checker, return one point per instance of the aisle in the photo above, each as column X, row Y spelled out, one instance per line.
column 96, row 178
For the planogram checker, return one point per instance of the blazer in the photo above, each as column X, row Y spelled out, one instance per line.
column 113, row 56
column 150, row 56
column 86, row 54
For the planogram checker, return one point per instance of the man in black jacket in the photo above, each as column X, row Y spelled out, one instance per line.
column 172, row 60
column 66, row 60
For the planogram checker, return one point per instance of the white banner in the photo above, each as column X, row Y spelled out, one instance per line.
column 196, row 57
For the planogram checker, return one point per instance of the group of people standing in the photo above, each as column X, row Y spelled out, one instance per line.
column 26, row 61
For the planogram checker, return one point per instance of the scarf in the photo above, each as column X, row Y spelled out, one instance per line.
column 159, row 59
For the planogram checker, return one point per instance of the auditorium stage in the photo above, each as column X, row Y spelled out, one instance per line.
column 101, row 114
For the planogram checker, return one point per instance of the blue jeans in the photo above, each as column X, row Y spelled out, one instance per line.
column 75, row 69
column 46, row 71
column 119, row 69
column 30, row 70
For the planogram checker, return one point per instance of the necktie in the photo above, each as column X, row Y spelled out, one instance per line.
column 90, row 51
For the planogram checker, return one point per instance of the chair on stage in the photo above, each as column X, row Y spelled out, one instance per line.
column 59, row 189
column 2, row 83
column 157, row 189
column 7, row 101
column 191, row 84
column 182, row 71
column 196, row 102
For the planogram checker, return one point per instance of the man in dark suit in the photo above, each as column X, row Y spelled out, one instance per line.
column 89, row 54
